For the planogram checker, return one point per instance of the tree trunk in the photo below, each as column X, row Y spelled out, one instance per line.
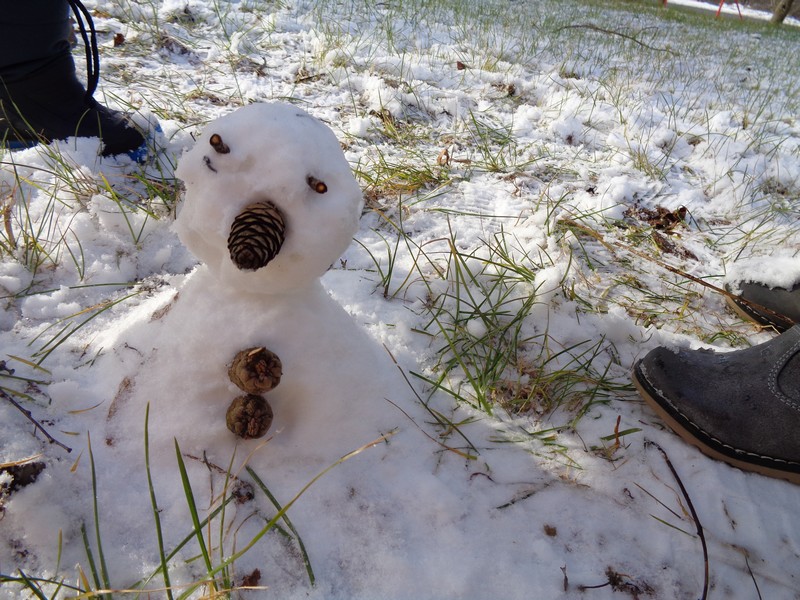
column 781, row 10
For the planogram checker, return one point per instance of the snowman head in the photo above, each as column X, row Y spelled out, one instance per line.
column 270, row 202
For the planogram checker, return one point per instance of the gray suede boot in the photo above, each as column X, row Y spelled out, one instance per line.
column 771, row 307
column 742, row 407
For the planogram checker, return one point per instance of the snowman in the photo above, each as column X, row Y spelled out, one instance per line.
column 270, row 205
column 268, row 209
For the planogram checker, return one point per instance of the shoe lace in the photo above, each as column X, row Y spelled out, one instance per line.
column 90, row 42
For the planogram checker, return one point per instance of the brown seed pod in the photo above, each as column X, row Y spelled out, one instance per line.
column 217, row 144
column 316, row 185
column 249, row 416
column 255, row 370
column 256, row 235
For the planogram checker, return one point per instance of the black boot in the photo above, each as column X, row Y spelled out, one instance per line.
column 771, row 307
column 41, row 98
column 742, row 407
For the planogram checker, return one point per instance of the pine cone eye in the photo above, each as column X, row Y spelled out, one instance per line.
column 256, row 235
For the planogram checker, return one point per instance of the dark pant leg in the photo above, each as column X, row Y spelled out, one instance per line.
column 32, row 34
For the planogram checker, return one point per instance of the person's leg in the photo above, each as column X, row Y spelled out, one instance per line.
column 742, row 407
column 41, row 97
column 34, row 33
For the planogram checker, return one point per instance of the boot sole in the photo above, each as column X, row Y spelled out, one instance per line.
column 757, row 318
column 652, row 399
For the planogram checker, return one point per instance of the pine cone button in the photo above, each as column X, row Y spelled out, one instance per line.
column 249, row 416
column 255, row 370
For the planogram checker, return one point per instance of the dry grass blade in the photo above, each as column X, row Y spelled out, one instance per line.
column 19, row 462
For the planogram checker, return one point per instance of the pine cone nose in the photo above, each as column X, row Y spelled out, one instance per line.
column 256, row 235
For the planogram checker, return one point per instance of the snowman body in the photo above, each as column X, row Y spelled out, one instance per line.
column 335, row 377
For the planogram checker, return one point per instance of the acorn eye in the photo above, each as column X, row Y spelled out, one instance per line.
column 316, row 185
column 217, row 144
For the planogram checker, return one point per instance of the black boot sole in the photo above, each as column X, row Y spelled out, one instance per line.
column 702, row 441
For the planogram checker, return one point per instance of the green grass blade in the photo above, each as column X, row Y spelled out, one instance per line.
column 58, row 564
column 231, row 559
column 90, row 556
column 154, row 504
column 198, row 531
column 65, row 333
column 185, row 541
column 31, row 585
column 226, row 576
column 615, row 436
column 101, row 555
column 276, row 504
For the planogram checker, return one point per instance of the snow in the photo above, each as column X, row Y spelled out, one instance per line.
column 131, row 308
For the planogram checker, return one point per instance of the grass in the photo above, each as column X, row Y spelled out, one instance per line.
column 461, row 97
column 41, row 206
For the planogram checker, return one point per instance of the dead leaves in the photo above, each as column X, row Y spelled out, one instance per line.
column 668, row 246
column 659, row 218
column 124, row 393
column 664, row 222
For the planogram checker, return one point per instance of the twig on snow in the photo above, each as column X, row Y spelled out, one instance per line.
column 36, row 423
column 593, row 27
column 752, row 576
column 692, row 511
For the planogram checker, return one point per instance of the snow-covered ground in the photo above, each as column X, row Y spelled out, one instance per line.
column 515, row 158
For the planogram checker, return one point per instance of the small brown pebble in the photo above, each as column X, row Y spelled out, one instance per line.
column 249, row 416
column 255, row 370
